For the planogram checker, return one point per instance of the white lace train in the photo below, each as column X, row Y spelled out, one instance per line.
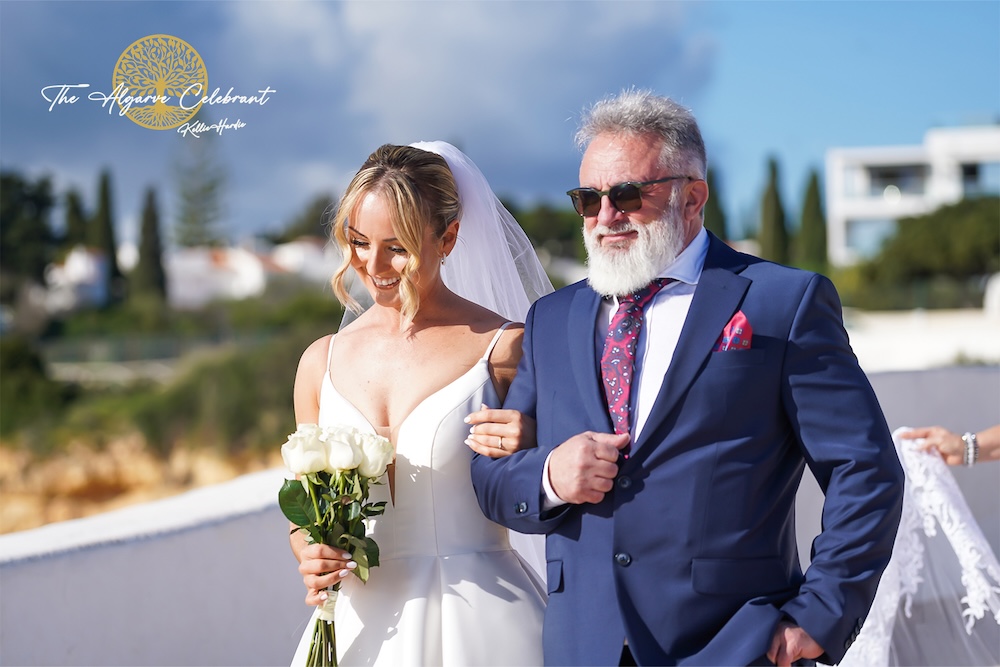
column 942, row 582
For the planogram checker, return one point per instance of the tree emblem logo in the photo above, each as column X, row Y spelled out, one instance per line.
column 159, row 82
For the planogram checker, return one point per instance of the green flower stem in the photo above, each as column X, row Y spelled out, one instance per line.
column 323, row 649
column 312, row 497
column 336, row 508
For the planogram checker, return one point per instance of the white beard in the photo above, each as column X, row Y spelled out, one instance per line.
column 619, row 271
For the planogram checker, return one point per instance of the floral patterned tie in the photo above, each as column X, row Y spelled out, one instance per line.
column 618, row 360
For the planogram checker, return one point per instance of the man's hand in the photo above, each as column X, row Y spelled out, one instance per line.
column 791, row 643
column 583, row 469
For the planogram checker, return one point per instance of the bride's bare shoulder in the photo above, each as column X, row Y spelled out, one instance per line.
column 316, row 354
column 477, row 317
column 308, row 379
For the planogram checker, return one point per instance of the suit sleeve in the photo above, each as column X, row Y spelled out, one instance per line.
column 847, row 445
column 509, row 489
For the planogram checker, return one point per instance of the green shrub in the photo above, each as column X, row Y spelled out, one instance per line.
column 938, row 260
column 237, row 400
column 27, row 395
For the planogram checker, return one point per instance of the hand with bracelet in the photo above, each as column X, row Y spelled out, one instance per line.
column 955, row 449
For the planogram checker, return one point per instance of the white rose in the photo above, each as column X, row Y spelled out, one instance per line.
column 376, row 454
column 305, row 452
column 343, row 452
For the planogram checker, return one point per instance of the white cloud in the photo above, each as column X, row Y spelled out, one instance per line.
column 316, row 177
column 504, row 78
column 283, row 38
column 471, row 64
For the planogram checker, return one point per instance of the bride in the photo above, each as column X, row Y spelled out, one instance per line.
column 447, row 270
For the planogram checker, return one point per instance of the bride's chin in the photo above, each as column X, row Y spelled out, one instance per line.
column 381, row 295
column 385, row 297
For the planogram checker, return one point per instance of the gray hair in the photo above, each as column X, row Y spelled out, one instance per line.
column 641, row 112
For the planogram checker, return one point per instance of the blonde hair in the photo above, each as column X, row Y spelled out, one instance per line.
column 420, row 192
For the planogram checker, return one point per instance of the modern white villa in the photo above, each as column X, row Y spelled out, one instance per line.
column 868, row 190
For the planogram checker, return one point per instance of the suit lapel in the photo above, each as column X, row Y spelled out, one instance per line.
column 581, row 331
column 716, row 299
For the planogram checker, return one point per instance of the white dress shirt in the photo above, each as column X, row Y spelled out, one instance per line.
column 663, row 319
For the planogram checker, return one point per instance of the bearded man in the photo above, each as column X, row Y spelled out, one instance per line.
column 679, row 392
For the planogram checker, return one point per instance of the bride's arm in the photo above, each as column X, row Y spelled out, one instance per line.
column 496, row 432
column 308, row 377
column 505, row 357
column 319, row 564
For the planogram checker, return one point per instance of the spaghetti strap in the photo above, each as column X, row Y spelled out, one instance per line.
column 496, row 339
column 329, row 354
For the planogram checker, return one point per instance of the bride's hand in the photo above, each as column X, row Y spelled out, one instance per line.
column 497, row 433
column 323, row 566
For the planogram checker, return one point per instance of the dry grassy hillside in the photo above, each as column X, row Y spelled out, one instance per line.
column 82, row 481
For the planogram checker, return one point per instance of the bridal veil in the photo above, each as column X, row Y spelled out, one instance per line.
column 938, row 602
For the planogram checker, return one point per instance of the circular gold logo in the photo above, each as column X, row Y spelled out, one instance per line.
column 159, row 82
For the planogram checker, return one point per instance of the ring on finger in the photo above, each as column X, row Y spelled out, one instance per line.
column 501, row 442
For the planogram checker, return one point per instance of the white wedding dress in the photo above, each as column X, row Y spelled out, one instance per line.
column 449, row 589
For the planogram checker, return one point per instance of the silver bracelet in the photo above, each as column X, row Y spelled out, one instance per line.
column 971, row 449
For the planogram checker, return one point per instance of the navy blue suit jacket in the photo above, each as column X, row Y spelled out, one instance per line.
column 692, row 556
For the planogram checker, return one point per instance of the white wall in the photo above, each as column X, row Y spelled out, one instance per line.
column 206, row 578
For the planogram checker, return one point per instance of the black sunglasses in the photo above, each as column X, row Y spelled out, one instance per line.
column 626, row 197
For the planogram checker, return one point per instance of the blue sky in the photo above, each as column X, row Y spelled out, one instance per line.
column 504, row 80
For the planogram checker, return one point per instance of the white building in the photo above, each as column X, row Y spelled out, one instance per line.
column 196, row 276
column 79, row 281
column 311, row 257
column 869, row 189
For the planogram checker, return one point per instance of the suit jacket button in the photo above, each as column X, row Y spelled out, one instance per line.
column 623, row 559
column 624, row 482
column 521, row 508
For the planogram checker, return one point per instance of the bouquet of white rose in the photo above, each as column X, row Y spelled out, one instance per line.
column 329, row 500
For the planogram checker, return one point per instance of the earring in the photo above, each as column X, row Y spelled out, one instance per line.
column 442, row 259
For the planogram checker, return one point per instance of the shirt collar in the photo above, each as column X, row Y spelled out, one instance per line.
column 688, row 265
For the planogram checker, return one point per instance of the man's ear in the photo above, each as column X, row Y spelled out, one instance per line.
column 695, row 196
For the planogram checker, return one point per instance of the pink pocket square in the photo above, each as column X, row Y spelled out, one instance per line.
column 736, row 335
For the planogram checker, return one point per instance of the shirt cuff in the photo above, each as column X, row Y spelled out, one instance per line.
column 549, row 498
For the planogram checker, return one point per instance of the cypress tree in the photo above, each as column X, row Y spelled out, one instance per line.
column 201, row 181
column 76, row 221
column 811, row 242
column 26, row 240
column 148, row 278
column 715, row 218
column 102, row 231
column 773, row 234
